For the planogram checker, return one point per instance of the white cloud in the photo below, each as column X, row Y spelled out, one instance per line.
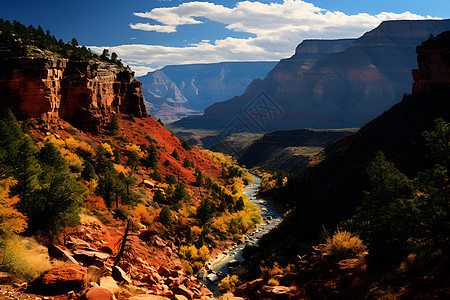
column 157, row 28
column 276, row 28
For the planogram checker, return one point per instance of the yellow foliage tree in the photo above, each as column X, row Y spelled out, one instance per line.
column 11, row 220
column 203, row 253
column 228, row 284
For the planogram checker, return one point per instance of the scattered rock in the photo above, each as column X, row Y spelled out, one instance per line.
column 59, row 281
column 163, row 271
column 58, row 253
column 5, row 278
column 74, row 242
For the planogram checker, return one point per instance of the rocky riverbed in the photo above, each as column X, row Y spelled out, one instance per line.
column 220, row 266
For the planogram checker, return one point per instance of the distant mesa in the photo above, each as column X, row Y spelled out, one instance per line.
column 178, row 91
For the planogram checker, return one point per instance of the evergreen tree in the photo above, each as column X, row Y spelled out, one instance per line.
column 114, row 125
column 165, row 216
column 88, row 172
column 133, row 160
column 26, row 172
column 175, row 154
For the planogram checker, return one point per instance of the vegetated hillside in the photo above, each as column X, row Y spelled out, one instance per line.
column 128, row 201
column 41, row 77
column 329, row 192
column 177, row 91
column 289, row 151
column 344, row 89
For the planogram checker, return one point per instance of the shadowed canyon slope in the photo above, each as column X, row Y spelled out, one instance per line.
column 178, row 91
column 344, row 89
column 290, row 150
column 328, row 192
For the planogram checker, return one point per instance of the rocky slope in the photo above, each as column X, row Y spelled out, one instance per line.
column 340, row 90
column 178, row 91
column 84, row 93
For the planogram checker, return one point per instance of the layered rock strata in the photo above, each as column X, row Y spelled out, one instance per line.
column 84, row 93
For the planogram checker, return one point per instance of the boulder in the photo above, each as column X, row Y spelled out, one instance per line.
column 89, row 257
column 119, row 275
column 109, row 283
column 276, row 292
column 99, row 293
column 230, row 296
column 59, row 281
column 61, row 254
column 163, row 271
column 201, row 274
column 74, row 242
column 180, row 297
column 182, row 290
column 148, row 297
column 212, row 277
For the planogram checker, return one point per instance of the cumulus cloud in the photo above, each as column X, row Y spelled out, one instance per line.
column 276, row 29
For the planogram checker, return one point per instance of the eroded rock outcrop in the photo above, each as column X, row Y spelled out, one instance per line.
column 84, row 93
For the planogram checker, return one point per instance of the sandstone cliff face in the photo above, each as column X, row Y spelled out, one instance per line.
column 338, row 89
column 85, row 93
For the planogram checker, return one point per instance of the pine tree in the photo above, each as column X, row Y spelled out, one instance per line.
column 165, row 216
column 27, row 171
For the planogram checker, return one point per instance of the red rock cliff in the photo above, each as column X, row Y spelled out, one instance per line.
column 85, row 93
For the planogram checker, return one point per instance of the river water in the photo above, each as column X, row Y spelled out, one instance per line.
column 271, row 218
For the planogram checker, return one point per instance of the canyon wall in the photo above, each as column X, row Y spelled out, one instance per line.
column 344, row 88
column 177, row 91
column 84, row 93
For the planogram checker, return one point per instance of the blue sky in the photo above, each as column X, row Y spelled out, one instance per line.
column 148, row 34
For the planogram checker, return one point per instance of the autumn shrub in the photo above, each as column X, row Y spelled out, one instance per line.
column 342, row 245
column 188, row 267
column 269, row 272
column 141, row 214
column 273, row 281
column 95, row 203
column 229, row 283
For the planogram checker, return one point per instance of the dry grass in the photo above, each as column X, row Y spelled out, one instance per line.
column 342, row 245
column 268, row 273
column 25, row 258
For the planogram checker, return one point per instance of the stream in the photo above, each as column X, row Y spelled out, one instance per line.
column 218, row 266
